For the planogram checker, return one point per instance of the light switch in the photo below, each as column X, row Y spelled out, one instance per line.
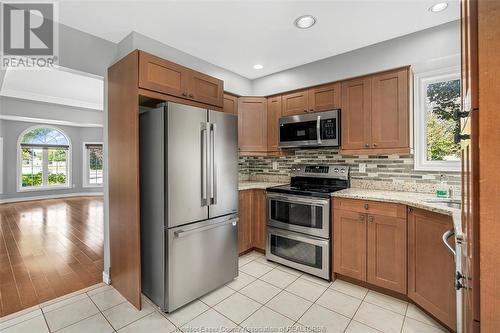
column 362, row 167
column 275, row 165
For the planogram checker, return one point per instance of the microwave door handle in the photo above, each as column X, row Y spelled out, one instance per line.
column 318, row 129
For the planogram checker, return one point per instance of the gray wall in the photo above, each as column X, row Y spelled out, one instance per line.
column 10, row 131
column 14, row 107
column 415, row 49
column 233, row 82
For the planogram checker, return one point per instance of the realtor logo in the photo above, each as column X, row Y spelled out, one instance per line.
column 29, row 34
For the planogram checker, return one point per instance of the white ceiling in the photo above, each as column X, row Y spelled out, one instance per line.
column 58, row 85
column 236, row 34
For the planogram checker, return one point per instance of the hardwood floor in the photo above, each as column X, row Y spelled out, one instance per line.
column 49, row 248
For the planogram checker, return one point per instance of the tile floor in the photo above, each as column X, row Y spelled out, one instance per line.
column 264, row 298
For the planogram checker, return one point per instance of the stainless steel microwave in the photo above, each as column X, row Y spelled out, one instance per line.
column 318, row 129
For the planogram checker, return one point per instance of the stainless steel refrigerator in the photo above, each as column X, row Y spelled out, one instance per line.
column 189, row 202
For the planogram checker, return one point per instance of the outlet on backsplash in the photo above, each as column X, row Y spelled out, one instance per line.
column 275, row 165
column 362, row 167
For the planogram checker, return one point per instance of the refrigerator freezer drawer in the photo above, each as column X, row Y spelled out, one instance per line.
column 201, row 257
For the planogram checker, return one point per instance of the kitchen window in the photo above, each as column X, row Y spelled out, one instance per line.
column 44, row 157
column 437, row 97
column 93, row 164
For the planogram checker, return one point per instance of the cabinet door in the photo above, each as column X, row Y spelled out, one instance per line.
column 205, row 89
column 259, row 220
column 245, row 220
column 230, row 104
column 252, row 124
column 390, row 110
column 325, row 97
column 431, row 266
column 273, row 117
column 386, row 252
column 295, row 103
column 162, row 76
column 356, row 114
column 349, row 240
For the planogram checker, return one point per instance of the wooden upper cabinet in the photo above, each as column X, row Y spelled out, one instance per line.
column 431, row 266
column 390, row 105
column 386, row 249
column 230, row 104
column 273, row 117
column 169, row 78
column 356, row 114
column 205, row 89
column 295, row 103
column 349, row 243
column 325, row 98
column 162, row 75
column 252, row 124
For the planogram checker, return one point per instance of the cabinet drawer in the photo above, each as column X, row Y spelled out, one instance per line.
column 371, row 207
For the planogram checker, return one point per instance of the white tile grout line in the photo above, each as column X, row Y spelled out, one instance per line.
column 86, row 290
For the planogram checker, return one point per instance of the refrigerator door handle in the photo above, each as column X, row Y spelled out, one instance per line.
column 204, row 162
column 184, row 233
column 213, row 167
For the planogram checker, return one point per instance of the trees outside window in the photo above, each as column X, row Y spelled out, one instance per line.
column 44, row 159
column 437, row 99
column 93, row 164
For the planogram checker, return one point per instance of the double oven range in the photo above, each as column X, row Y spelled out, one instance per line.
column 299, row 218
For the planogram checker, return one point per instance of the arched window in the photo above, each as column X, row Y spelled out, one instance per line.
column 44, row 158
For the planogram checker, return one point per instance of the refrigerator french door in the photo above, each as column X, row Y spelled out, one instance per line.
column 189, row 202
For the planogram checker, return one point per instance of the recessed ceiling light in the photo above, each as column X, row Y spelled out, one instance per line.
column 258, row 66
column 439, row 7
column 305, row 21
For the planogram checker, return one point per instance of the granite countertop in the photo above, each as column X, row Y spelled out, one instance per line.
column 252, row 185
column 412, row 199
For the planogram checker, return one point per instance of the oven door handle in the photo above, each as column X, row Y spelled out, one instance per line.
column 294, row 236
column 301, row 200
column 318, row 129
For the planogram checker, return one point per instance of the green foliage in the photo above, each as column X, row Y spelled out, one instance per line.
column 443, row 99
column 36, row 179
column 95, row 159
column 57, row 155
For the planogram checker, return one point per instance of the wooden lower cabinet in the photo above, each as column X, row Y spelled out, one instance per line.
column 386, row 252
column 349, row 244
column 370, row 247
column 253, row 219
column 259, row 219
column 431, row 266
column 245, row 220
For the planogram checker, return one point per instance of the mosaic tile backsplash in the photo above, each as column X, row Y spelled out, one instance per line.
column 389, row 172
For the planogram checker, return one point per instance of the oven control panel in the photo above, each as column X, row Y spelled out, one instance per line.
column 339, row 171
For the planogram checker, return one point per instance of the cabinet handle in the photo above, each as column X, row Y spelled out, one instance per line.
column 184, row 94
column 370, row 219
column 367, row 145
column 366, row 206
column 361, row 217
column 191, row 96
column 305, row 110
column 410, row 209
column 311, row 110
column 375, row 145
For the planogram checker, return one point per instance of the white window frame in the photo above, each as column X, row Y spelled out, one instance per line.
column 68, row 184
column 421, row 80
column 85, row 176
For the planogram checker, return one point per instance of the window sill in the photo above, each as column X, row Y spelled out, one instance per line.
column 93, row 186
column 44, row 188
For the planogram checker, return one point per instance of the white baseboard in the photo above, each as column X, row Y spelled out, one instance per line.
column 51, row 196
column 106, row 278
